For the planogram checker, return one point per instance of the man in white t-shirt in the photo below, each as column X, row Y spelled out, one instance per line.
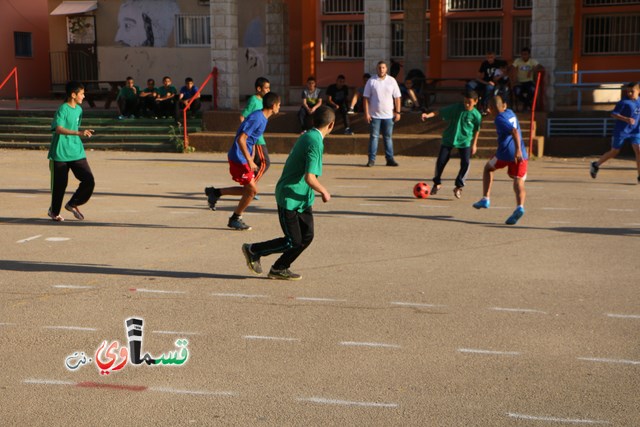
column 382, row 100
column 526, row 70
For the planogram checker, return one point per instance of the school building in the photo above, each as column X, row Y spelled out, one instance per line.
column 288, row 40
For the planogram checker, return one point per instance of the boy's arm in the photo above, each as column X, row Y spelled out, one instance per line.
column 365, row 105
column 516, row 138
column 628, row 120
column 242, row 143
column 64, row 131
column 426, row 116
column 313, row 182
column 474, row 146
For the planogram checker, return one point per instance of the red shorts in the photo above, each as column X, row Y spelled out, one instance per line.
column 240, row 172
column 514, row 169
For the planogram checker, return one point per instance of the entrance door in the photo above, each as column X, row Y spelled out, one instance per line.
column 81, row 38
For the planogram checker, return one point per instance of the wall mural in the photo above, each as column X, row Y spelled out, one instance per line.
column 146, row 22
column 252, row 48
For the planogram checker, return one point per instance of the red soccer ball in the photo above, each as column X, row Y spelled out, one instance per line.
column 421, row 190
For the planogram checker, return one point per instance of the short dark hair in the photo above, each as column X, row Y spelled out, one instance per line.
column 381, row 62
column 270, row 100
column 631, row 85
column 471, row 94
column 260, row 81
column 73, row 87
column 311, row 79
column 128, row 78
column 340, row 76
column 497, row 101
column 323, row 116
column 151, row 81
column 525, row 49
column 166, row 77
column 188, row 79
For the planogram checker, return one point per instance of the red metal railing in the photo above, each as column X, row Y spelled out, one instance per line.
column 13, row 73
column 533, row 113
column 212, row 75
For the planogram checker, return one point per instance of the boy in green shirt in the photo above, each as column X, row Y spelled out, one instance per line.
column 260, row 155
column 67, row 152
column 166, row 100
column 127, row 99
column 461, row 133
column 295, row 194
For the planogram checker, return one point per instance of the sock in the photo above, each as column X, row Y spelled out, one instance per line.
column 235, row 216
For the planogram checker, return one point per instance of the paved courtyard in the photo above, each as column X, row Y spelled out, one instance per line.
column 410, row 312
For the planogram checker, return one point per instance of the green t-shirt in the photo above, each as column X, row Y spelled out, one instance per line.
column 292, row 191
column 254, row 104
column 128, row 93
column 463, row 125
column 163, row 91
column 66, row 148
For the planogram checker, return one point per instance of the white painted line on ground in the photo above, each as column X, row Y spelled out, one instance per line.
column 239, row 295
column 175, row 333
column 182, row 213
column 25, row 196
column 326, row 401
column 7, row 324
column 621, row 210
column 560, row 209
column 624, row 316
column 57, row 239
column 158, row 291
column 634, row 224
column 73, row 287
column 47, row 382
column 70, row 328
column 28, row 239
column 480, row 351
column 320, row 299
column 193, row 392
column 609, row 190
column 368, row 344
column 518, row 310
column 433, row 206
column 416, row 304
column 605, row 360
column 260, row 337
column 372, row 204
column 559, row 222
column 555, row 419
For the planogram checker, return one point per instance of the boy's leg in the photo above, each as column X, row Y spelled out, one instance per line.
column 248, row 193
column 122, row 106
column 387, row 136
column 465, row 161
column 441, row 162
column 82, row 172
column 487, row 180
column 518, row 188
column 59, row 180
column 298, row 228
column 636, row 150
column 261, row 159
column 302, row 118
column 374, row 135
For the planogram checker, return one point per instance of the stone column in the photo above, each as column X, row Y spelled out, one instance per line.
column 551, row 25
column 377, row 34
column 277, row 17
column 224, row 51
column 414, row 35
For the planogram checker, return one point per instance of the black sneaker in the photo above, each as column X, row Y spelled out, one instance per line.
column 253, row 261
column 212, row 199
column 370, row 164
column 594, row 169
column 348, row 131
column 284, row 274
column 392, row 162
column 238, row 224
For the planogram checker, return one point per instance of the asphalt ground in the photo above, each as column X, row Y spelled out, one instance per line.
column 409, row 312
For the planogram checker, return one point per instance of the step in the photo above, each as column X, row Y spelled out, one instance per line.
column 38, row 137
column 151, row 147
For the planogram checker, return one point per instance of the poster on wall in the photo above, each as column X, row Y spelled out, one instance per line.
column 252, row 44
column 81, row 29
column 146, row 22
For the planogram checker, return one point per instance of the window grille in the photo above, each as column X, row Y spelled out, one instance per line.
column 473, row 5
column 330, row 7
column 473, row 38
column 521, row 34
column 343, row 40
column 427, row 28
column 23, row 44
column 193, row 30
column 397, row 5
column 610, row 35
column 610, row 2
column 523, row 4
column 397, row 39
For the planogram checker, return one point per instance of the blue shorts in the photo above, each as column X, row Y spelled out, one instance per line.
column 618, row 140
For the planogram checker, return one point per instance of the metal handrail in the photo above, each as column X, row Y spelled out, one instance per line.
column 579, row 85
column 213, row 74
column 13, row 73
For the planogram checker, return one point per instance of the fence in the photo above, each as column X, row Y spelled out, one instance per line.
column 577, row 81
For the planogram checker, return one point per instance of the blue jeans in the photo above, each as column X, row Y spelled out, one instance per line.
column 387, row 130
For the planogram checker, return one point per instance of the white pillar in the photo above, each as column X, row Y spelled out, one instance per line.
column 278, row 48
column 224, row 51
column 377, row 34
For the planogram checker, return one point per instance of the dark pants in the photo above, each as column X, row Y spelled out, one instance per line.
column 128, row 107
column 194, row 108
column 166, row 108
column 342, row 112
column 304, row 117
column 148, row 106
column 443, row 159
column 59, row 180
column 298, row 234
column 524, row 93
column 261, row 159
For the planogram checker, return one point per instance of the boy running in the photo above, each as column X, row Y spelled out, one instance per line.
column 511, row 154
column 295, row 193
column 461, row 133
column 241, row 164
column 261, row 156
column 67, row 152
column 627, row 115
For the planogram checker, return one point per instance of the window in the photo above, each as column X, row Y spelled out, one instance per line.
column 473, row 5
column 330, row 7
column 343, row 41
column 475, row 38
column 611, row 35
column 523, row 4
column 610, row 2
column 521, row 34
column 397, row 39
column 397, row 6
column 23, row 44
column 193, row 30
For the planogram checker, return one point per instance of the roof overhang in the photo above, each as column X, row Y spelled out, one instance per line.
column 75, row 7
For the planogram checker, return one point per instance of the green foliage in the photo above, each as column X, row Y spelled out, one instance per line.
column 176, row 137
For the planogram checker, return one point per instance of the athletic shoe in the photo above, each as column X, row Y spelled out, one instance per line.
column 457, row 192
column 348, row 131
column 638, row 179
column 75, row 211
column 253, row 261
column 482, row 204
column 284, row 274
column 121, row 117
column 594, row 169
column 515, row 216
column 392, row 162
column 256, row 197
column 53, row 217
column 434, row 190
column 238, row 224
column 212, row 199
column 370, row 164
column 350, row 111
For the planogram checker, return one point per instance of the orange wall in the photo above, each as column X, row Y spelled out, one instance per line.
column 33, row 73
